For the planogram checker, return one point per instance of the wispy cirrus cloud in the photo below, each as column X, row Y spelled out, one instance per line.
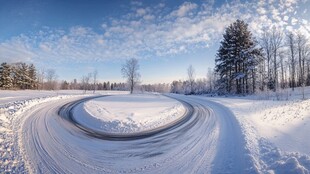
column 148, row 32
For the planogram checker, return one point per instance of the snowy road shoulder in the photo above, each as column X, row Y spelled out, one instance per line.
column 11, row 119
column 276, row 132
column 128, row 113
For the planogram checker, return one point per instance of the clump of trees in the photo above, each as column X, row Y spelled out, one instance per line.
column 246, row 65
column 160, row 87
column 90, row 86
column 275, row 61
column 194, row 86
column 18, row 76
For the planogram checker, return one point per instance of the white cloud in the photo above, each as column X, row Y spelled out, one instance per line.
column 141, row 12
column 149, row 32
column 285, row 18
column 148, row 17
column 185, row 8
column 161, row 5
column 304, row 21
column 261, row 11
column 294, row 21
column 136, row 3
column 16, row 50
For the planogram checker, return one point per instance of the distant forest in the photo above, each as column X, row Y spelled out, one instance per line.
column 22, row 76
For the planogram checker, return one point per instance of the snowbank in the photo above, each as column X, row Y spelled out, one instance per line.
column 11, row 159
column 276, row 132
column 128, row 113
column 7, row 96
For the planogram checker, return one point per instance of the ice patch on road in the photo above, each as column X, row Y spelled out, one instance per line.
column 128, row 113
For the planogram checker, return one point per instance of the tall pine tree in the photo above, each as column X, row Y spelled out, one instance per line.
column 5, row 76
column 32, row 77
column 237, row 59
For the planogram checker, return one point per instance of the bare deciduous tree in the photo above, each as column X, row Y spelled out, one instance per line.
column 191, row 78
column 51, row 79
column 85, row 82
column 291, row 45
column 95, row 80
column 210, row 79
column 41, row 76
column 302, row 51
column 130, row 71
column 276, row 42
column 267, row 47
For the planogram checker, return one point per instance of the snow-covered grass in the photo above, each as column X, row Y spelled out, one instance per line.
column 128, row 113
column 276, row 132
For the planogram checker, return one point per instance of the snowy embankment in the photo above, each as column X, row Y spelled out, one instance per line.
column 276, row 132
column 12, row 106
column 128, row 113
column 7, row 96
column 10, row 121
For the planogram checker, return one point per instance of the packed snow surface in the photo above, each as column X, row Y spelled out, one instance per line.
column 13, row 106
column 209, row 141
column 128, row 113
column 222, row 135
column 276, row 132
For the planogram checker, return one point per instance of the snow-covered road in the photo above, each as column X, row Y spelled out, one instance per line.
column 209, row 141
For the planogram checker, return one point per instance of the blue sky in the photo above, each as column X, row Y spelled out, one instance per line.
column 77, row 37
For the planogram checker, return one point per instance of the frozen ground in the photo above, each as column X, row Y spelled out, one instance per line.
column 222, row 135
column 41, row 141
column 128, row 113
column 277, row 132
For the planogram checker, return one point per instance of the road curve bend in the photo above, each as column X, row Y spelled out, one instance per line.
column 209, row 140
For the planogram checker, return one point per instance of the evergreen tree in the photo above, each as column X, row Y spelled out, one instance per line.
column 33, row 83
column 23, row 79
column 5, row 76
column 237, row 59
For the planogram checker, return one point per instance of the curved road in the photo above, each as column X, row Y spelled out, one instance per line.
column 209, row 141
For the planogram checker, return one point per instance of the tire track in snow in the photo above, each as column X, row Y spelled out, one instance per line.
column 66, row 111
column 53, row 144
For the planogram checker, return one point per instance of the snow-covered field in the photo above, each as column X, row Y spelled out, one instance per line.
column 224, row 134
column 128, row 113
column 276, row 132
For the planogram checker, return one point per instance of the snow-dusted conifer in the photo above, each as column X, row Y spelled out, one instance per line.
column 236, row 60
column 5, row 76
column 33, row 83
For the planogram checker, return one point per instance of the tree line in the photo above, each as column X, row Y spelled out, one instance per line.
column 244, row 65
column 194, row 86
column 18, row 76
column 274, row 61
column 22, row 76
column 75, row 85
